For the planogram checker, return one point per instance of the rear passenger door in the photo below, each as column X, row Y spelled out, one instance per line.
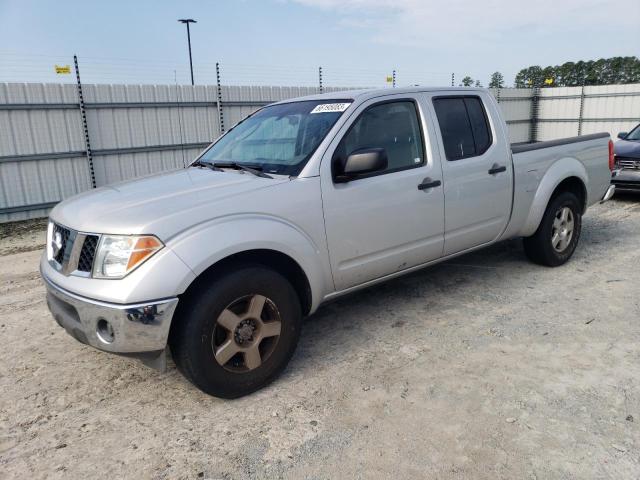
column 477, row 171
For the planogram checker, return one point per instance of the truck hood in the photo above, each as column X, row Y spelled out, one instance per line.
column 627, row 148
column 140, row 205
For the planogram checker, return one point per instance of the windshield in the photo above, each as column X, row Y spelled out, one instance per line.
column 634, row 134
column 279, row 139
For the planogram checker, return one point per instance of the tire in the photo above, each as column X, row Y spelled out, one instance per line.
column 544, row 247
column 221, row 317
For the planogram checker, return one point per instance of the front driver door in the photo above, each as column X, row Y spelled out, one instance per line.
column 385, row 222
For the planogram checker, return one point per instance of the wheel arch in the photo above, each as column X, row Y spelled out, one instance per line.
column 567, row 174
column 574, row 185
column 258, row 239
column 273, row 259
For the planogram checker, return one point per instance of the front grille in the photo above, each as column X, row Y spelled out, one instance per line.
column 87, row 254
column 627, row 162
column 64, row 235
column 77, row 250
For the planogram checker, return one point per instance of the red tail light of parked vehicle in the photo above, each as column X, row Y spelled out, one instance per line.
column 611, row 156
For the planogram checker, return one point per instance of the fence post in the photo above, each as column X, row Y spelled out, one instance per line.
column 219, row 103
column 83, row 115
column 178, row 96
column 320, row 79
column 535, row 106
column 581, row 109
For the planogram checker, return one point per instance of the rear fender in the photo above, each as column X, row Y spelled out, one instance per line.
column 562, row 169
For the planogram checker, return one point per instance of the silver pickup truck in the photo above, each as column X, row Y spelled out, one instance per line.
column 301, row 202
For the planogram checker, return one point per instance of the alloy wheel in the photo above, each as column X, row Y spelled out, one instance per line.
column 246, row 333
column 562, row 230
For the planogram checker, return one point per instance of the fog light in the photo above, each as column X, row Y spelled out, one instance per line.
column 104, row 330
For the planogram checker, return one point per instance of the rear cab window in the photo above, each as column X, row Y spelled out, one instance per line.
column 464, row 126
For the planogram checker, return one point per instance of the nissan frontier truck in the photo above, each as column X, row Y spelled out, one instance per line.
column 304, row 201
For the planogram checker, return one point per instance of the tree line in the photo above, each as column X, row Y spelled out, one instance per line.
column 605, row 71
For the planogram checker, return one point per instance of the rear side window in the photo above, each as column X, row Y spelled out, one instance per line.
column 463, row 125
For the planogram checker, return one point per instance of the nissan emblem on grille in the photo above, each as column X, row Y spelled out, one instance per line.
column 59, row 241
column 56, row 243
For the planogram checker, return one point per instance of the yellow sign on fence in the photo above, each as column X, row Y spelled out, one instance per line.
column 389, row 79
column 63, row 69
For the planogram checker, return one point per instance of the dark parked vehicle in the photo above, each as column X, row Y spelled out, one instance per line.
column 627, row 161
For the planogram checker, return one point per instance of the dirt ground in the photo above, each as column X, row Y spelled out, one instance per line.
column 484, row 367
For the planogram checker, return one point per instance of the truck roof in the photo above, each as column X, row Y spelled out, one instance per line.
column 364, row 94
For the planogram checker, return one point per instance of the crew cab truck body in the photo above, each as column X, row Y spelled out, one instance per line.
column 304, row 201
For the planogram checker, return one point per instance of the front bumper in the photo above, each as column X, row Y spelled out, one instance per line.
column 123, row 329
column 627, row 180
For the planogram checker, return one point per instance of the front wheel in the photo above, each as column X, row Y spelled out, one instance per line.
column 236, row 334
column 557, row 236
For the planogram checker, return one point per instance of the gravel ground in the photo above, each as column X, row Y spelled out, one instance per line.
column 483, row 367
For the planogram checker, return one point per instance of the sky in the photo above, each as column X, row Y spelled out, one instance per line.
column 283, row 42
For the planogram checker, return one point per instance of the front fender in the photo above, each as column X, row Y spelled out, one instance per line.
column 561, row 170
column 208, row 243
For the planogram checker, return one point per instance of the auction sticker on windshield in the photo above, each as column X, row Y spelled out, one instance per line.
column 330, row 107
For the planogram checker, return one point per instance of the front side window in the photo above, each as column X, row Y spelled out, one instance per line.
column 278, row 139
column 393, row 126
column 463, row 125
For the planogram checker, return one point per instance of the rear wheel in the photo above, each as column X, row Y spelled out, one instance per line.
column 238, row 333
column 557, row 236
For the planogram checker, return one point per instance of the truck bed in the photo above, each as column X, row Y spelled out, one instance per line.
column 529, row 146
column 532, row 164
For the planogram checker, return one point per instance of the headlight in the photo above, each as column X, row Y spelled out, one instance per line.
column 120, row 254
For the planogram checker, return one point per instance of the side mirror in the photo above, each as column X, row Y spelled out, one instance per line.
column 361, row 162
column 623, row 135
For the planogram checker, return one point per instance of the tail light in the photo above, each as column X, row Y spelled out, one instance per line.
column 611, row 156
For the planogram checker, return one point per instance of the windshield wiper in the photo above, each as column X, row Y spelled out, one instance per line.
column 208, row 165
column 254, row 169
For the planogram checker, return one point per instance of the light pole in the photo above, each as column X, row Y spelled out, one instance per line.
column 188, row 21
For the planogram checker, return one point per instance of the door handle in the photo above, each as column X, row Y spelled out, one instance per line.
column 496, row 169
column 428, row 183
